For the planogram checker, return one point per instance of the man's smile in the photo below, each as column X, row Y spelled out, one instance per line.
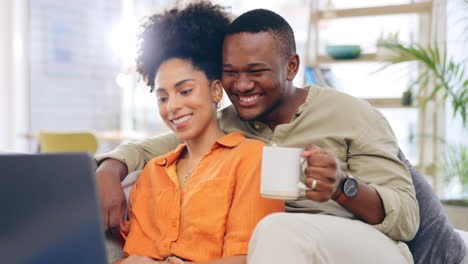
column 250, row 100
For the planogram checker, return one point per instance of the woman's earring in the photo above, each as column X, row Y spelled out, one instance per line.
column 217, row 105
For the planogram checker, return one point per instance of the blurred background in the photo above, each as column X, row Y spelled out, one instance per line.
column 68, row 66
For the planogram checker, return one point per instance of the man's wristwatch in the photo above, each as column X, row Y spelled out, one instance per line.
column 349, row 188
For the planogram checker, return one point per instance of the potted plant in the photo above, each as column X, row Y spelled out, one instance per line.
column 448, row 75
column 407, row 98
column 450, row 83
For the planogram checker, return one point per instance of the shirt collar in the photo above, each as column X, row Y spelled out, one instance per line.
column 170, row 157
column 229, row 141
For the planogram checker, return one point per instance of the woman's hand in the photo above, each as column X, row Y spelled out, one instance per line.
column 138, row 260
column 174, row 260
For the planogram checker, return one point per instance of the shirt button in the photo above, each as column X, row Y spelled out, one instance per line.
column 174, row 224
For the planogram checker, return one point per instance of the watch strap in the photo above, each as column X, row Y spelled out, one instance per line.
column 342, row 198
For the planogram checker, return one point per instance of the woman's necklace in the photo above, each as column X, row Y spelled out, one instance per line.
column 189, row 172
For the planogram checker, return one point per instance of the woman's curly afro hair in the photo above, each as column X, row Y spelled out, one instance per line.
column 194, row 33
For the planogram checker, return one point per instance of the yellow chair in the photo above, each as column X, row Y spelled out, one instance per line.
column 67, row 142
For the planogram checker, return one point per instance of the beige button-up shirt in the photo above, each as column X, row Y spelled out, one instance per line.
column 349, row 128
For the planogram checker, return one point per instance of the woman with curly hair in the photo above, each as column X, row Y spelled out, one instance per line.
column 200, row 202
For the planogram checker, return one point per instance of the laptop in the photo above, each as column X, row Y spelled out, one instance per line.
column 49, row 210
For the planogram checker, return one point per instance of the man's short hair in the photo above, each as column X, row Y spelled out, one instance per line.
column 262, row 20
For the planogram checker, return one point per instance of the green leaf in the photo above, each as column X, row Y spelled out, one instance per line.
column 448, row 75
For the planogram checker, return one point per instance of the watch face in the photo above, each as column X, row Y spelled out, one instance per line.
column 350, row 187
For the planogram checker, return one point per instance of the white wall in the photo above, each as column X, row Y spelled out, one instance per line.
column 73, row 66
column 5, row 80
column 13, row 75
column 57, row 68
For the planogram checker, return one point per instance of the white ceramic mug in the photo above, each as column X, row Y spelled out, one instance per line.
column 282, row 170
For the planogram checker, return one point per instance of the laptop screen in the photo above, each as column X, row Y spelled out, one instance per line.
column 49, row 209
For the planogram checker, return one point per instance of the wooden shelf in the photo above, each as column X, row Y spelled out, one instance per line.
column 421, row 7
column 428, row 13
column 366, row 57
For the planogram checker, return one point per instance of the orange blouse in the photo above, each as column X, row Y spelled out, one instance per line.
column 215, row 214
